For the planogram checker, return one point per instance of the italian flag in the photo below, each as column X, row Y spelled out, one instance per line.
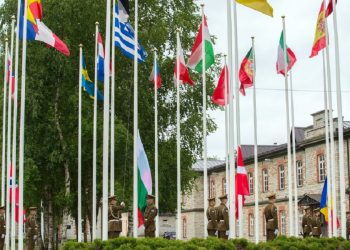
column 291, row 59
column 144, row 180
column 246, row 72
column 195, row 62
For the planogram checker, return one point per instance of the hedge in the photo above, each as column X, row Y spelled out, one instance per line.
column 282, row 243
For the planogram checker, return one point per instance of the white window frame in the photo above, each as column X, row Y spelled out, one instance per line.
column 300, row 176
column 212, row 188
column 251, row 182
column 283, row 222
column 184, row 228
column 321, row 168
column 251, row 225
column 224, row 186
column 265, row 180
column 282, row 177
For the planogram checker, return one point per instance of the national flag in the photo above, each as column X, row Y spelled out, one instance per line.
column 184, row 76
column 329, row 10
column 87, row 84
column 242, row 186
column 124, row 34
column 246, row 71
column 218, row 96
column 37, row 30
column 324, row 204
column 259, row 5
column 144, row 180
column 195, row 61
column 320, row 34
column 17, row 213
column 291, row 59
column 155, row 75
column 100, row 59
column 9, row 64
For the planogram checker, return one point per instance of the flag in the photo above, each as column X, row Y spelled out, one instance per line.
column 246, row 71
column 242, row 186
column 37, row 30
column 218, row 96
column 124, row 34
column 195, row 61
column 100, row 59
column 329, row 10
column 320, row 34
column 155, row 75
column 10, row 80
column 184, row 76
column 259, row 5
column 17, row 213
column 88, row 85
column 291, row 59
column 144, row 180
column 324, row 205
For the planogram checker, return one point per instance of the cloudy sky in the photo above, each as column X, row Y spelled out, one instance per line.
column 301, row 16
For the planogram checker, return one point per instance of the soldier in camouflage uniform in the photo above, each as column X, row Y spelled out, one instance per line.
column 271, row 218
column 32, row 228
column 212, row 226
column 222, row 218
column 316, row 224
column 114, row 218
column 150, row 214
column 2, row 227
column 307, row 222
column 347, row 225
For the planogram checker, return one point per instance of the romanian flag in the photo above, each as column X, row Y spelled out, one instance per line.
column 324, row 205
column 259, row 5
column 246, row 72
column 88, row 85
column 320, row 34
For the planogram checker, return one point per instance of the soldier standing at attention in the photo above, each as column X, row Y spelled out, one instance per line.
column 271, row 218
column 114, row 218
column 347, row 225
column 307, row 222
column 2, row 227
column 32, row 228
column 222, row 218
column 150, row 213
column 316, row 224
column 211, row 216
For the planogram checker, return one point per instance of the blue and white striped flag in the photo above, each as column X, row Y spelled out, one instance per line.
column 124, row 35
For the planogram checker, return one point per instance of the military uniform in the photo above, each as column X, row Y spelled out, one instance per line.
column 316, row 224
column 32, row 229
column 271, row 218
column 222, row 218
column 114, row 219
column 2, row 228
column 307, row 224
column 150, row 214
column 212, row 226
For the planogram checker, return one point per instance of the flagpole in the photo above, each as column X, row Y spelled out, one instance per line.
column 178, row 138
column 340, row 125
column 226, row 126
column 79, row 231
column 42, row 222
column 94, row 153
column 135, row 222
column 290, row 198
column 106, row 115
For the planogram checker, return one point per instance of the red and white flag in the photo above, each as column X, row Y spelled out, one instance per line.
column 184, row 76
column 242, row 185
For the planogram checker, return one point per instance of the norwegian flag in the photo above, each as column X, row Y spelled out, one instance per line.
column 242, row 186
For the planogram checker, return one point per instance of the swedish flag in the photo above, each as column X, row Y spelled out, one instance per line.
column 88, row 85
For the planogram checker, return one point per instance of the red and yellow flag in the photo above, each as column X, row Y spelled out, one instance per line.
column 259, row 5
column 320, row 34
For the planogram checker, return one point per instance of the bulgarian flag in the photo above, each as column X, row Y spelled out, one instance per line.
column 184, row 76
column 320, row 35
column 291, row 59
column 242, row 186
column 246, row 72
column 218, row 96
column 144, row 180
column 195, row 61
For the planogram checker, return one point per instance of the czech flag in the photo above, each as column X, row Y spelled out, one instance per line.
column 155, row 76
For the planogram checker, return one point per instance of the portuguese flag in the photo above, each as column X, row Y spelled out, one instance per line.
column 144, row 180
column 246, row 72
column 195, row 60
column 291, row 59
column 320, row 34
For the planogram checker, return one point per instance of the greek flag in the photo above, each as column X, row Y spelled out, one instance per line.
column 124, row 35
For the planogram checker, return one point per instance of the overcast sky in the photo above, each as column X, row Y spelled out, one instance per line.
column 301, row 17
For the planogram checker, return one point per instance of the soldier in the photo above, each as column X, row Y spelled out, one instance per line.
column 32, row 228
column 212, row 226
column 114, row 218
column 347, row 225
column 150, row 213
column 222, row 218
column 307, row 222
column 316, row 224
column 2, row 227
column 271, row 218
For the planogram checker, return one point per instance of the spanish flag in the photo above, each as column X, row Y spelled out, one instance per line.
column 320, row 34
column 259, row 5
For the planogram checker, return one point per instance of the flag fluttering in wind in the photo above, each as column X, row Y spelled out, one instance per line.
column 100, row 59
column 320, row 35
column 246, row 72
column 291, row 59
column 195, row 61
column 259, row 5
column 218, row 96
column 37, row 30
column 329, row 10
column 88, row 85
column 10, row 80
column 242, row 185
column 144, row 180
column 184, row 76
column 324, row 204
column 124, row 34
column 155, row 75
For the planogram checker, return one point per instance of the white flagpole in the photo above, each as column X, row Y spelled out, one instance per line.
column 226, row 128
column 340, row 125
column 106, row 116
column 178, row 139
column 136, row 111
column 3, row 163
column 232, row 232
column 79, row 231
column 42, row 222
column 94, row 153
column 290, row 197
column 111, row 180
column 256, row 169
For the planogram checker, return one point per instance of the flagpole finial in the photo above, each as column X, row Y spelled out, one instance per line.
column 253, row 37
column 80, row 45
column 178, row 30
column 97, row 23
column 6, row 39
column 202, row 5
column 283, row 17
column 13, row 17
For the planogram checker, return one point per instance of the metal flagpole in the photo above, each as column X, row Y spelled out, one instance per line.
column 226, row 127
column 340, row 125
column 79, row 231
column 178, row 139
column 106, row 125
column 290, row 198
column 42, row 222
column 156, row 138
column 326, row 125
column 94, row 152
column 136, row 112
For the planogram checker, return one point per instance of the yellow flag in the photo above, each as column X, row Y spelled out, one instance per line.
column 259, row 5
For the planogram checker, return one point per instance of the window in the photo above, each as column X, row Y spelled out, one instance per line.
column 300, row 173
column 283, row 222
column 264, row 225
column 224, row 186
column 301, row 214
column 212, row 189
column 265, row 181
column 251, row 225
column 321, row 168
column 184, row 228
column 282, row 177
column 251, row 182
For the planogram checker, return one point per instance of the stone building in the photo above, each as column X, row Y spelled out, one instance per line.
column 273, row 171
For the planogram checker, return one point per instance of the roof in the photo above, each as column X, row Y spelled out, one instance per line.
column 310, row 199
column 199, row 165
column 248, row 150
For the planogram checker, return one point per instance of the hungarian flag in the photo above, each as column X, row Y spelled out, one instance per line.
column 259, row 5
column 155, row 75
column 246, row 72
column 218, row 96
column 242, row 186
column 195, row 61
column 184, row 76
column 291, row 59
column 320, row 34
column 329, row 10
